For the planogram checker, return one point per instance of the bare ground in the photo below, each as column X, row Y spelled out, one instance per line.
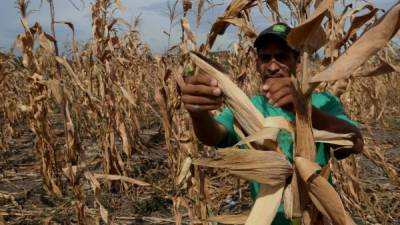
column 24, row 201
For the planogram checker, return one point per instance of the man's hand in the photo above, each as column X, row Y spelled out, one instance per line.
column 324, row 121
column 201, row 94
column 279, row 92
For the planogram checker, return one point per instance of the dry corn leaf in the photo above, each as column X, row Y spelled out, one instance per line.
column 126, row 145
column 278, row 122
column 200, row 5
column 266, row 133
column 55, row 89
column 317, row 2
column 266, row 167
column 323, row 136
column 383, row 68
column 272, row 124
column 120, row 5
column 75, row 78
column 229, row 219
column 104, row 214
column 321, row 193
column 127, row 95
column 24, row 42
column 310, row 34
column 25, row 24
column 121, row 178
column 320, row 136
column 2, row 221
column 187, row 5
column 71, row 140
column 70, row 172
column 94, row 183
column 233, row 10
column 185, row 168
column 266, row 205
column 274, row 5
column 186, row 27
column 358, row 21
column 366, row 46
column 46, row 42
column 249, row 30
column 288, row 201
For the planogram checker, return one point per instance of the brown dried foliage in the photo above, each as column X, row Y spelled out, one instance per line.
column 90, row 123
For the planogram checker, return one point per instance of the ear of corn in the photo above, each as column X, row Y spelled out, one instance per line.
column 267, row 167
column 322, row 194
column 249, row 118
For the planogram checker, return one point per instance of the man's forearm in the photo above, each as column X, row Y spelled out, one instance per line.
column 325, row 121
column 207, row 130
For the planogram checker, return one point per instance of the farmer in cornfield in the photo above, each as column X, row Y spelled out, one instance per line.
column 276, row 61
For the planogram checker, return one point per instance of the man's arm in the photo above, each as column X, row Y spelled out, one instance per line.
column 207, row 130
column 324, row 121
column 200, row 95
column 280, row 92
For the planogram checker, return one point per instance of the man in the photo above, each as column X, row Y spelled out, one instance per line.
column 276, row 62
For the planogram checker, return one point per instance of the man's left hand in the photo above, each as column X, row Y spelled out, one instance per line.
column 279, row 92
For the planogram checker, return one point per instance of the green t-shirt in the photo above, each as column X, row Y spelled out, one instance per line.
column 324, row 101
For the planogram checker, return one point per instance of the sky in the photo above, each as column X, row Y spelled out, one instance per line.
column 153, row 21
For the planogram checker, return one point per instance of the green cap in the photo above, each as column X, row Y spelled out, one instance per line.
column 280, row 30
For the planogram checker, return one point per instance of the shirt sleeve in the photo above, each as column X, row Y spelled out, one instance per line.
column 226, row 119
column 334, row 107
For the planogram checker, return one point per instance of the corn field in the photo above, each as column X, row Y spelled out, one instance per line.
column 100, row 136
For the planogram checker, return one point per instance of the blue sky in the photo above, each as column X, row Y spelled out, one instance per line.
column 153, row 21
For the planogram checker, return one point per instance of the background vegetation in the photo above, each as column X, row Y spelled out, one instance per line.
column 99, row 136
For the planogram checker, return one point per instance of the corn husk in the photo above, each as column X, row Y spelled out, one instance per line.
column 320, row 136
column 266, row 167
column 266, row 205
column 247, row 115
column 321, row 193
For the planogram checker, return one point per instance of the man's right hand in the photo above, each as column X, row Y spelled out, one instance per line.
column 201, row 94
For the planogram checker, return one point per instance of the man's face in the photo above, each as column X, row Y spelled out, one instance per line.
column 276, row 59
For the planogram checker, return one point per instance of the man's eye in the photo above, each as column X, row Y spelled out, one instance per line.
column 281, row 57
column 265, row 57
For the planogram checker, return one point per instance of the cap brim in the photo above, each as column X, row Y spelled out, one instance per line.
column 267, row 36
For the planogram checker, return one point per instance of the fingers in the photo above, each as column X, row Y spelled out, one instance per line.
column 201, row 103
column 201, row 90
column 276, row 96
column 201, row 94
column 202, row 78
column 201, row 100
column 275, row 84
column 288, row 99
column 200, row 108
column 279, row 91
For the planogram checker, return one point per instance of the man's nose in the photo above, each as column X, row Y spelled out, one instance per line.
column 273, row 67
